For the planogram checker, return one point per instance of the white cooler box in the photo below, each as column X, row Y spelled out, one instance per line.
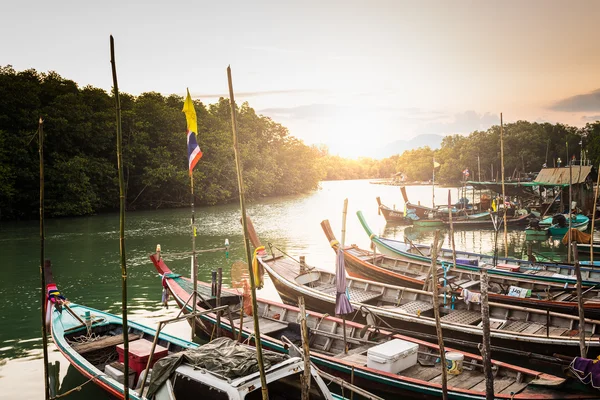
column 393, row 356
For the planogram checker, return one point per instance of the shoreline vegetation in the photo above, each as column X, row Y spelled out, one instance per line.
column 81, row 168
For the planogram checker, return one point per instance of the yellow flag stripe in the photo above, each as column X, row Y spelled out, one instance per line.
column 190, row 113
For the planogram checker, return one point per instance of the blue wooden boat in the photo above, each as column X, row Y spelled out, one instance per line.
column 578, row 221
column 543, row 271
column 89, row 339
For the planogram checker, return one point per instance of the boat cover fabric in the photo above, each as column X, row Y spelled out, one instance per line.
column 222, row 356
column 577, row 236
column 342, row 304
column 587, row 370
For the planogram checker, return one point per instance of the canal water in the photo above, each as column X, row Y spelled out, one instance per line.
column 85, row 256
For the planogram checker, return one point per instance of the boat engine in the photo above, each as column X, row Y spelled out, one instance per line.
column 559, row 220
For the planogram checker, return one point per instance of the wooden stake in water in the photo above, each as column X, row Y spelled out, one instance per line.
column 503, row 190
column 486, row 345
column 579, row 301
column 42, row 259
column 306, row 348
column 594, row 217
column 570, row 200
column 238, row 163
column 436, row 313
column 344, row 214
column 121, row 220
column 451, row 229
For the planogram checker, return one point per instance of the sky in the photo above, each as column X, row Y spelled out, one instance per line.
column 352, row 75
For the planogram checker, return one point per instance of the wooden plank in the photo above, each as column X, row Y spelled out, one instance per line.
column 465, row 380
column 514, row 388
column 104, row 342
column 423, row 373
column 266, row 325
column 499, row 385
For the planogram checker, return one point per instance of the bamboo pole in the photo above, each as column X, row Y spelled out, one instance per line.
column 238, row 163
column 433, row 185
column 594, row 218
column 570, row 201
column 194, row 276
column 344, row 215
column 485, row 346
column 218, row 302
column 42, row 259
column 121, row 221
column 503, row 190
column 451, row 229
column 306, row 349
column 580, row 308
column 436, row 311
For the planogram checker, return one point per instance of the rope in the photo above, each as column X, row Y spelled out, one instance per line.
column 75, row 389
column 333, row 243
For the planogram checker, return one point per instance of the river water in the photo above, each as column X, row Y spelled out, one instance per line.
column 85, row 258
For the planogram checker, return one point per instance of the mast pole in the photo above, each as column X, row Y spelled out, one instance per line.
column 238, row 163
column 503, row 190
column 121, row 220
column 570, row 200
column 433, row 185
column 42, row 256
column 594, row 217
column 194, row 263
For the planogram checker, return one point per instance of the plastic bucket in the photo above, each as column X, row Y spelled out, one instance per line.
column 454, row 362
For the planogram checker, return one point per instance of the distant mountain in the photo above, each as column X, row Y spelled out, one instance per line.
column 399, row 146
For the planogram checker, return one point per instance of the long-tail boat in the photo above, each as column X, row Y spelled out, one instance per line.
column 90, row 340
column 513, row 327
column 546, row 271
column 279, row 327
column 392, row 215
column 408, row 272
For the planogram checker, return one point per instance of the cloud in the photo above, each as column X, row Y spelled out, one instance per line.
column 590, row 118
column 463, row 123
column 579, row 103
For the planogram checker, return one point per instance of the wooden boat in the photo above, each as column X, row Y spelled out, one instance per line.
column 465, row 222
column 392, row 215
column 543, row 271
column 587, row 248
column 421, row 211
column 407, row 272
column 579, row 222
column 93, row 348
column 326, row 341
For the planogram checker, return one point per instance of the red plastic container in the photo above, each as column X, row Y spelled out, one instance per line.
column 139, row 352
column 509, row 267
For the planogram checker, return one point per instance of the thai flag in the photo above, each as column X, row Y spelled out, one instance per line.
column 194, row 152
column 466, row 172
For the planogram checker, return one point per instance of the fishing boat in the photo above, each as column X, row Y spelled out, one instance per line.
column 420, row 377
column 578, row 221
column 392, row 215
column 422, row 212
column 403, row 271
column 425, row 222
column 91, row 340
column 587, row 248
column 481, row 221
column 505, row 266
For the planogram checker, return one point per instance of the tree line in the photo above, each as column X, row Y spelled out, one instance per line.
column 528, row 146
column 80, row 151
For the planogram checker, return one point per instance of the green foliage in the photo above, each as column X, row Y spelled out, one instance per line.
column 80, row 150
column 525, row 147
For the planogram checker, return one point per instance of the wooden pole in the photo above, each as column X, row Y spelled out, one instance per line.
column 238, row 163
column 121, row 221
column 570, row 200
column 503, row 190
column 433, row 185
column 42, row 259
column 305, row 346
column 594, row 218
column 579, row 301
column 194, row 276
column 344, row 214
column 436, row 312
column 485, row 347
column 218, row 302
column 451, row 229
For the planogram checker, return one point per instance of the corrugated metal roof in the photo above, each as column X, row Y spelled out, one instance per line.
column 560, row 176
